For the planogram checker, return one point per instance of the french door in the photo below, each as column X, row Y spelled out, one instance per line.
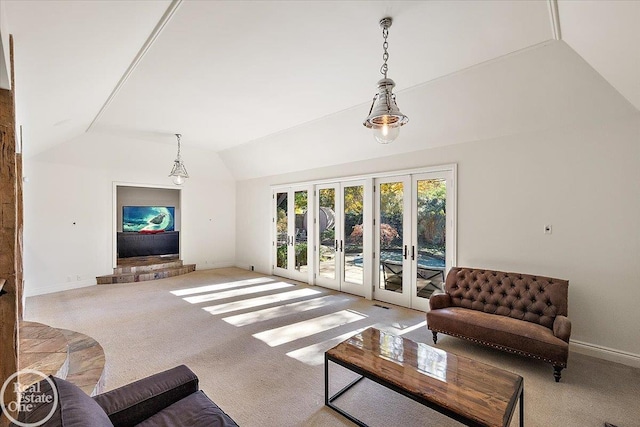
column 393, row 239
column 414, row 236
column 290, row 243
column 341, row 236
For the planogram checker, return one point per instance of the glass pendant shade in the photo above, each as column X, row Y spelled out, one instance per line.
column 386, row 134
column 179, row 171
column 385, row 117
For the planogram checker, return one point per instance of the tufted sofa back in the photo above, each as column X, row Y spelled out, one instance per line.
column 535, row 299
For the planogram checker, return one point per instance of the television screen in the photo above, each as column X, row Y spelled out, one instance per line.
column 148, row 218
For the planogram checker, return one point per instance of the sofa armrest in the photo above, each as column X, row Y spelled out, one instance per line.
column 439, row 301
column 133, row 403
column 562, row 328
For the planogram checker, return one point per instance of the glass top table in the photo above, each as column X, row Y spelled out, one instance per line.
column 471, row 392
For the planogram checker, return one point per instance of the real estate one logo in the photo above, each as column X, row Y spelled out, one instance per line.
column 28, row 397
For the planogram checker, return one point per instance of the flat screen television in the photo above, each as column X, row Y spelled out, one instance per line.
column 148, row 218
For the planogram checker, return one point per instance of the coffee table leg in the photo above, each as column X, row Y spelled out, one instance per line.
column 326, row 380
column 522, row 407
column 328, row 401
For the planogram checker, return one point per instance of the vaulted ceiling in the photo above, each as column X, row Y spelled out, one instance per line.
column 249, row 78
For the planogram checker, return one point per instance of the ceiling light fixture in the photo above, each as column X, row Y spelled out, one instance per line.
column 179, row 171
column 385, row 117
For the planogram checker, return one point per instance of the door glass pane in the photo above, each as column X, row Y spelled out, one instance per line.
column 391, row 238
column 327, row 226
column 282, row 225
column 431, row 221
column 353, row 234
column 300, row 209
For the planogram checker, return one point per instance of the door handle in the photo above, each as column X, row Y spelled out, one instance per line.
column 336, row 246
column 340, row 245
column 413, row 253
column 405, row 252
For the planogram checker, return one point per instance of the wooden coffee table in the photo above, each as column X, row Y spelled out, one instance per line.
column 471, row 392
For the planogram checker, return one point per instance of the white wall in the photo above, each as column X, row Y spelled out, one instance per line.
column 582, row 180
column 533, row 90
column 73, row 183
column 5, row 69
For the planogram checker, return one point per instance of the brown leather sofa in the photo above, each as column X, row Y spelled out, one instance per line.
column 169, row 398
column 518, row 313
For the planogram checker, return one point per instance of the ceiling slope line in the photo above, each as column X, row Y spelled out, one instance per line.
column 555, row 19
column 166, row 17
column 365, row 105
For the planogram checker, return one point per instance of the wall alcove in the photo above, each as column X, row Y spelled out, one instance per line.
column 147, row 221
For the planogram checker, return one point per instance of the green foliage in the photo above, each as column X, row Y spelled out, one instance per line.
column 301, row 202
column 432, row 214
column 281, row 222
column 301, row 254
column 392, row 197
column 327, row 198
column 353, row 198
column 281, row 256
column 327, row 237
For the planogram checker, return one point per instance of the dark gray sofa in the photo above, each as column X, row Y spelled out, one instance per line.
column 169, row 398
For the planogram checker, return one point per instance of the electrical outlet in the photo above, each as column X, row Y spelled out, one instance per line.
column 78, row 277
column 547, row 229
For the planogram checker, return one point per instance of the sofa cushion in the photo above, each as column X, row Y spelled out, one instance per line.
column 40, row 411
column 195, row 410
column 75, row 408
column 502, row 332
column 535, row 299
column 139, row 400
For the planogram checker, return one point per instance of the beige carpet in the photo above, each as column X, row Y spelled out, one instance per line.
column 260, row 359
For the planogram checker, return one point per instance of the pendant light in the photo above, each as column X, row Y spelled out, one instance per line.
column 385, row 117
column 179, row 171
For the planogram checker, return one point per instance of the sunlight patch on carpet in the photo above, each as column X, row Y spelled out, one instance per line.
column 295, row 331
column 237, row 292
column 313, row 354
column 284, row 310
column 260, row 301
column 408, row 329
column 220, row 286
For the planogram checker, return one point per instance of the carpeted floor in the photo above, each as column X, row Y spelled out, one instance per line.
column 257, row 342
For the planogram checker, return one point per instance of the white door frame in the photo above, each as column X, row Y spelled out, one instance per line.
column 417, row 302
column 340, row 282
column 448, row 170
column 403, row 297
column 318, row 278
column 345, row 285
column 291, row 272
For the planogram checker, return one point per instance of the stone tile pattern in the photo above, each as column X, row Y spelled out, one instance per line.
column 62, row 353
column 146, row 270
column 86, row 362
column 43, row 349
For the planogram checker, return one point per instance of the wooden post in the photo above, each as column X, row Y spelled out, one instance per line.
column 9, row 232
column 19, row 231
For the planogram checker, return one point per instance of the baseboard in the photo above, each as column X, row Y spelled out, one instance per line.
column 610, row 354
column 58, row 287
column 250, row 267
column 223, row 264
